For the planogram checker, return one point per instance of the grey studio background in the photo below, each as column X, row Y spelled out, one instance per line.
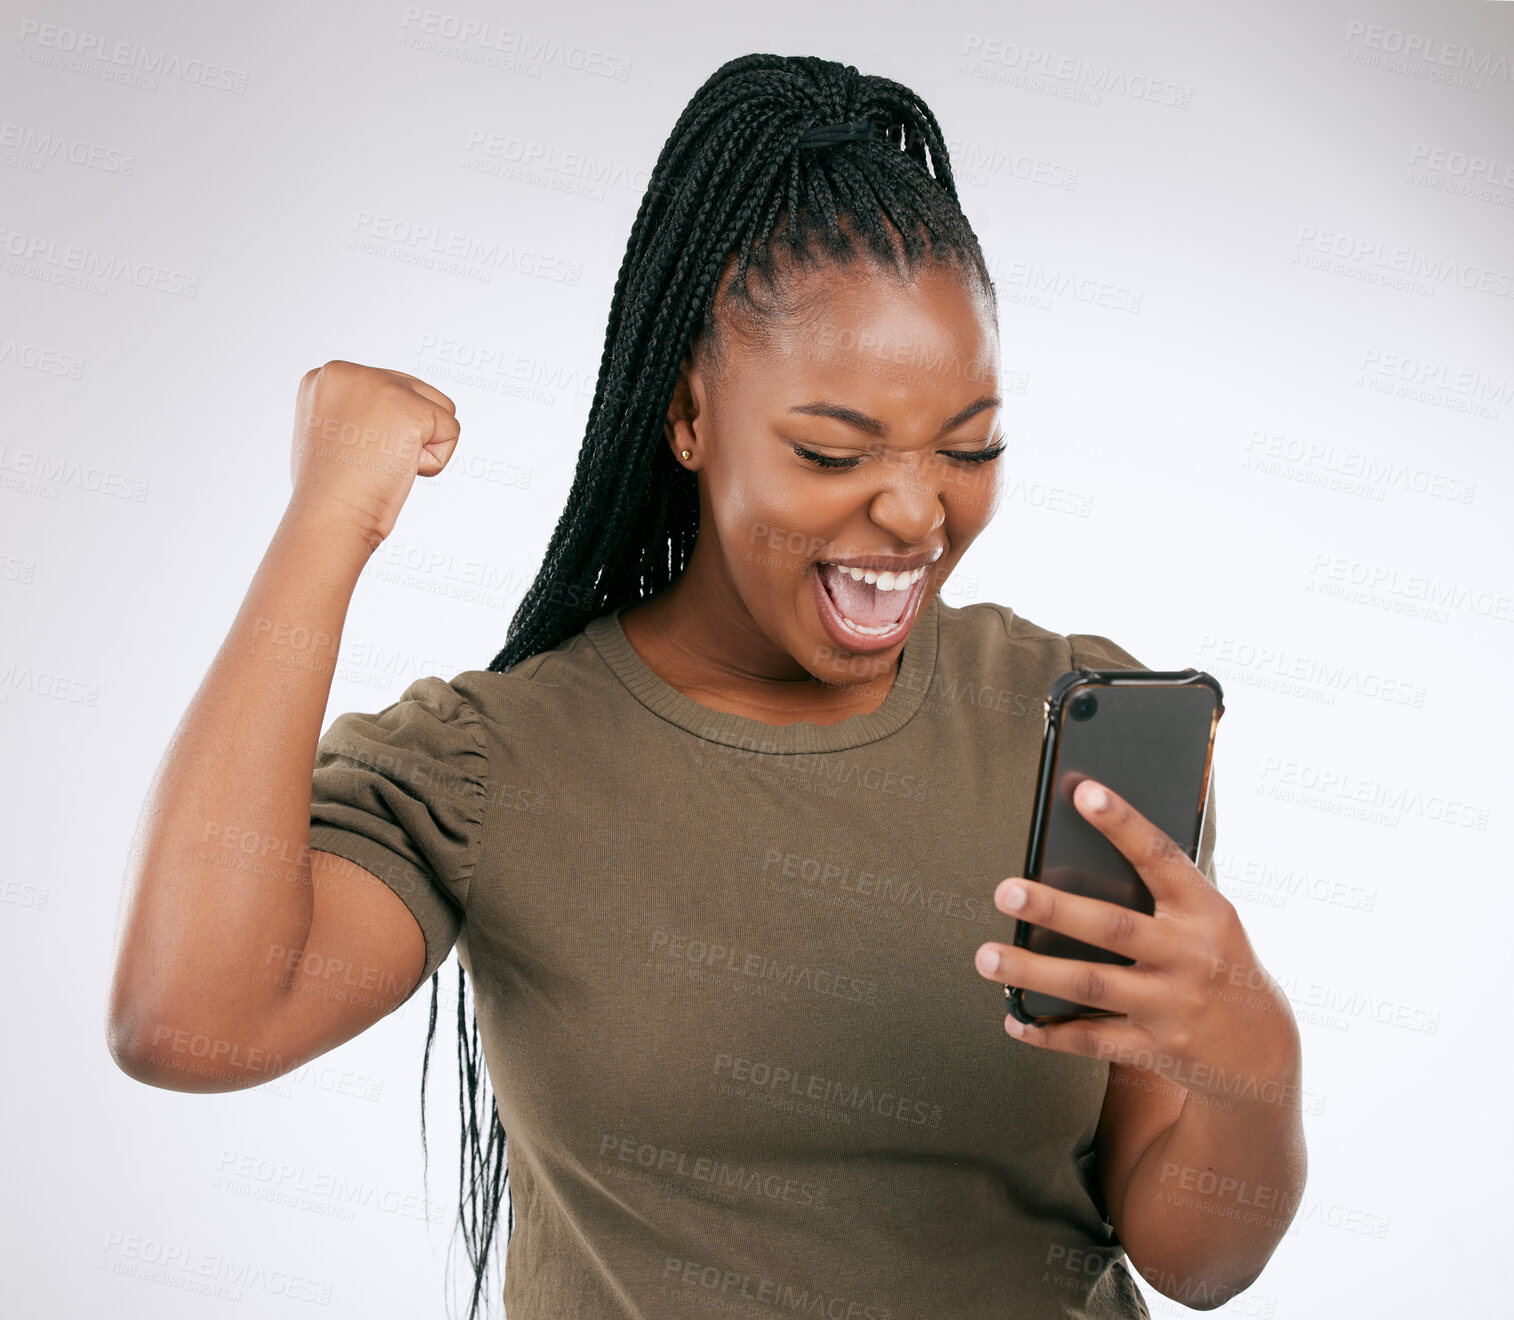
column 1257, row 286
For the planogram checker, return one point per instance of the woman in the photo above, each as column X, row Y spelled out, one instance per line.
column 721, row 833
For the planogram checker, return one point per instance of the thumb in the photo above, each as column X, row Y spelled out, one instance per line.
column 437, row 451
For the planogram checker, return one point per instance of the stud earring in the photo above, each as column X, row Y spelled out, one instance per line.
column 685, row 454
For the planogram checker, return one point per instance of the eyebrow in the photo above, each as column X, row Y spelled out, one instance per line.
column 874, row 427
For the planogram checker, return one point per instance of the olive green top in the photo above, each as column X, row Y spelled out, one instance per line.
column 724, row 979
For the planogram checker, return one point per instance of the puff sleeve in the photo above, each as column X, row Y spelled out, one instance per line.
column 401, row 792
column 1096, row 652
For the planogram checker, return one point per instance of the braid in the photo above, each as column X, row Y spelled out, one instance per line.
column 730, row 181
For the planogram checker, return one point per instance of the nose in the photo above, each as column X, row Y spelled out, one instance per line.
column 909, row 505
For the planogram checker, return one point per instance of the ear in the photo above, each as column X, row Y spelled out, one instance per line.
column 682, row 428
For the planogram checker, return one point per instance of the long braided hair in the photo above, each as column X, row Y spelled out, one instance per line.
column 733, row 185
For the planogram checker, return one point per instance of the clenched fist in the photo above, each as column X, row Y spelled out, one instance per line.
column 361, row 437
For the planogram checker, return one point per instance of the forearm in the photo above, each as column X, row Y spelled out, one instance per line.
column 1212, row 1196
column 219, row 869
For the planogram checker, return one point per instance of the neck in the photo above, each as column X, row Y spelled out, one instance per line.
column 698, row 637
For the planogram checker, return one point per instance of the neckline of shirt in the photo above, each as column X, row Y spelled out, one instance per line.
column 917, row 666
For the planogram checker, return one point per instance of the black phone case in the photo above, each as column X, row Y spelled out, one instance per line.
column 1150, row 738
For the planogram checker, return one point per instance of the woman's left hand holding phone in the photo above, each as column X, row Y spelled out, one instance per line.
column 1196, row 1005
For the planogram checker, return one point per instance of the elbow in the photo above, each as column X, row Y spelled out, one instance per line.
column 127, row 1025
column 1216, row 1299
column 1204, row 1297
column 126, row 1049
column 126, row 1037
column 130, row 1040
column 165, row 1051
column 1198, row 1290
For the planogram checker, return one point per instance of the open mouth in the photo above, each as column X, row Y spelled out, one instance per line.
column 873, row 614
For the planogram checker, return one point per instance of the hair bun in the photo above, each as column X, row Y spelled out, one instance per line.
column 854, row 130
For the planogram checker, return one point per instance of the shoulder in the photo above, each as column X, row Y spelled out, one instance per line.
column 1094, row 651
column 559, row 679
column 998, row 631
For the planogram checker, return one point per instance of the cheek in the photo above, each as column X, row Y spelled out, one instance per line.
column 773, row 527
column 971, row 498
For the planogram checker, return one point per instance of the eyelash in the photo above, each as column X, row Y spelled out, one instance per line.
column 975, row 456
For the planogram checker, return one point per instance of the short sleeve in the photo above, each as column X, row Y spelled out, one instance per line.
column 1096, row 652
column 402, row 793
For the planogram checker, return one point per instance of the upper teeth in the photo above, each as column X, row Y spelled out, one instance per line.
column 884, row 581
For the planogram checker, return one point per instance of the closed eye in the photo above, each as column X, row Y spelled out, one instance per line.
column 962, row 456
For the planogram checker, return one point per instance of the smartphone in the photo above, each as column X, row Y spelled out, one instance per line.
column 1149, row 736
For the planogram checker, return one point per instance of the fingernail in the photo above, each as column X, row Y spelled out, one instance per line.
column 988, row 960
column 1095, row 797
column 1013, row 896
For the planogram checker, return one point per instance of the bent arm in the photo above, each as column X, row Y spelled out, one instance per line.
column 1211, row 1196
column 218, row 891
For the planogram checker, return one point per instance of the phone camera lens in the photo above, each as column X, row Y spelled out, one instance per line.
column 1083, row 707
